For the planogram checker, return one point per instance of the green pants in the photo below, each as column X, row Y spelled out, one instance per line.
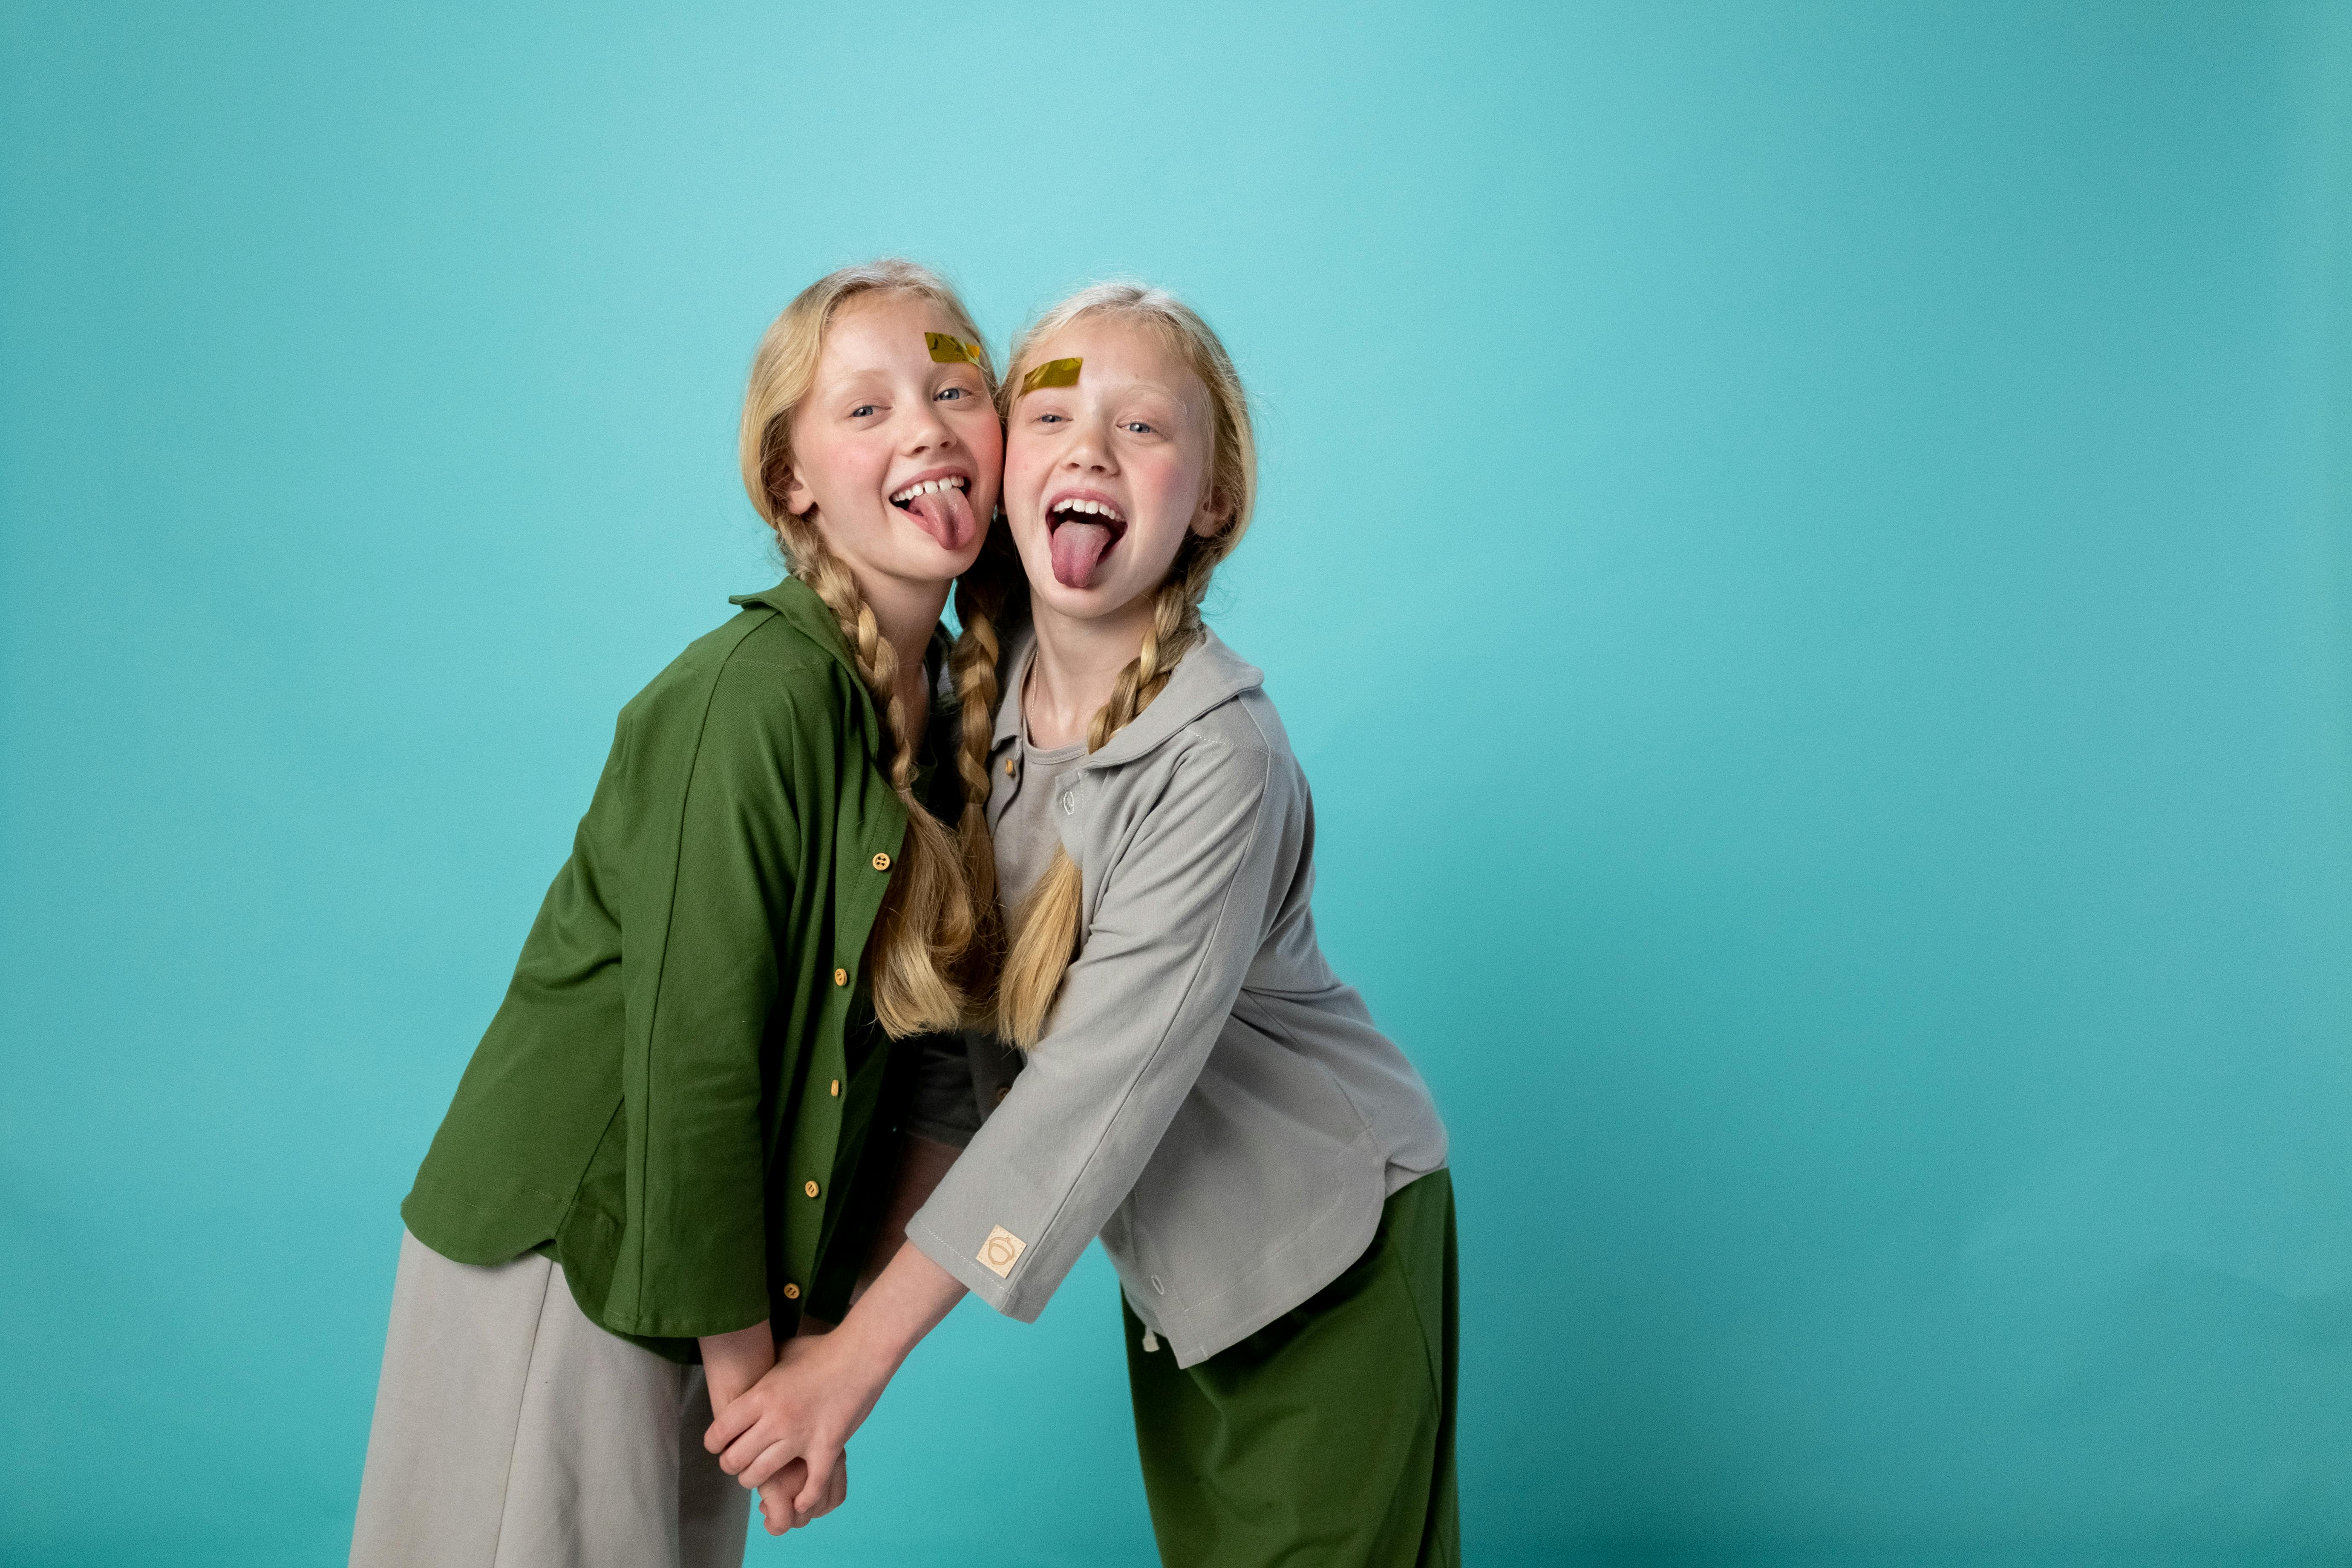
column 1325, row 1439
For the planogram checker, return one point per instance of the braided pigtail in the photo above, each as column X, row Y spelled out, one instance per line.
column 983, row 595
column 927, row 922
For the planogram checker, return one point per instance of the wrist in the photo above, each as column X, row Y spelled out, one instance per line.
column 872, row 1346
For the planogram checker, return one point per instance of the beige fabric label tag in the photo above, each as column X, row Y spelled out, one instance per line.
column 1000, row 1251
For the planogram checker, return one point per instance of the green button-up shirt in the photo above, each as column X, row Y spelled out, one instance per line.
column 676, row 1089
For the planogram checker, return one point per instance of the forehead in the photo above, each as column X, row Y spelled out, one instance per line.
column 1125, row 354
column 879, row 328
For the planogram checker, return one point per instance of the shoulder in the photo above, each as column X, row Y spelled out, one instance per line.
column 758, row 673
column 1236, row 751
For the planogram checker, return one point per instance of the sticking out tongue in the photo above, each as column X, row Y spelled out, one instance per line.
column 945, row 516
column 1077, row 550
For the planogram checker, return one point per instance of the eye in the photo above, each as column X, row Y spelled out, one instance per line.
column 946, row 392
column 862, row 410
column 1136, row 427
column 1051, row 419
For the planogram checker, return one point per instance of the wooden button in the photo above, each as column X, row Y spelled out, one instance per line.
column 841, row 977
column 881, row 862
column 792, row 1292
column 1002, row 1091
column 1008, row 767
column 837, row 1089
column 810, row 1189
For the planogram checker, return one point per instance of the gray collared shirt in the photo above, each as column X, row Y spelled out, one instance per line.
column 1208, row 1097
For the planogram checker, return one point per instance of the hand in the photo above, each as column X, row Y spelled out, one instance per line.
column 776, row 1495
column 823, row 1386
column 802, row 1414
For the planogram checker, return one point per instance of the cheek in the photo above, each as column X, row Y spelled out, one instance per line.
column 1024, row 463
column 1175, row 486
column 831, row 467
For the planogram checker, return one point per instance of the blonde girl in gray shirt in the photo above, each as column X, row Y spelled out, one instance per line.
column 1171, row 1065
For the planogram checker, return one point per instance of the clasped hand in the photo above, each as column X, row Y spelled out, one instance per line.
column 793, row 1425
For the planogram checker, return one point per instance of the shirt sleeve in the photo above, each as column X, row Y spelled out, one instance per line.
column 1177, row 922
column 700, row 965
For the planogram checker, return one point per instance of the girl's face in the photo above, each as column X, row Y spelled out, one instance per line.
column 1103, row 479
column 898, row 455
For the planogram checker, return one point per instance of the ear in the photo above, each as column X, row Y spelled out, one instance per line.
column 799, row 500
column 1216, row 514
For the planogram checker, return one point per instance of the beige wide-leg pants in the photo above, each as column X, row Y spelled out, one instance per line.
column 511, row 1432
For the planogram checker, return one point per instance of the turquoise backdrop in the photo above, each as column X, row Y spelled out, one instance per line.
column 1804, row 551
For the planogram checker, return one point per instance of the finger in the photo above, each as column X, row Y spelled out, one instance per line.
column 732, row 1422
column 776, row 1495
column 776, row 1503
column 820, row 1480
column 773, row 1460
column 749, row 1446
column 837, row 1493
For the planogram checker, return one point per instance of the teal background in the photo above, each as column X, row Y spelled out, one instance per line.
column 1804, row 551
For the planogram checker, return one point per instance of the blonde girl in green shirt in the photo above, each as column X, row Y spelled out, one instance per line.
column 672, row 1148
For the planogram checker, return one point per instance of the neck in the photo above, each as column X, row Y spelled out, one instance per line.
column 1075, row 665
column 907, row 613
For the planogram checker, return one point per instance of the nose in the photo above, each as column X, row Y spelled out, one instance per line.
column 928, row 430
column 1090, row 452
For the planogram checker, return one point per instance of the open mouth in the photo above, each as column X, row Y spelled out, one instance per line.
column 1082, row 530
column 939, row 507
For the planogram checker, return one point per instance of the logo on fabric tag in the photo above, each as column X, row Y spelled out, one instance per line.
column 1000, row 1251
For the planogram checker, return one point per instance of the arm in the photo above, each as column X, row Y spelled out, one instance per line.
column 922, row 1166
column 732, row 1365
column 1179, row 918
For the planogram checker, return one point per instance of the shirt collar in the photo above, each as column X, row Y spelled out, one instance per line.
column 1209, row 676
column 798, row 603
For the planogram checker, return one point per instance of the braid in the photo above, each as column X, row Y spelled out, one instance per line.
column 1175, row 627
column 927, row 923
column 981, row 595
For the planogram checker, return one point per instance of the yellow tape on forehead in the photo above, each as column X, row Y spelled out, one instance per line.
column 948, row 349
column 1053, row 373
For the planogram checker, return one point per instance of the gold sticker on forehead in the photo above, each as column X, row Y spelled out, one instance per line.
column 948, row 349
column 1053, row 373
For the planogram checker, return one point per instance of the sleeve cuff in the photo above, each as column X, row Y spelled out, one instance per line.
column 976, row 1277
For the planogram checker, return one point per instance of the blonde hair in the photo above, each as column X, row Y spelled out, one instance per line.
column 930, row 918
column 1044, row 929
